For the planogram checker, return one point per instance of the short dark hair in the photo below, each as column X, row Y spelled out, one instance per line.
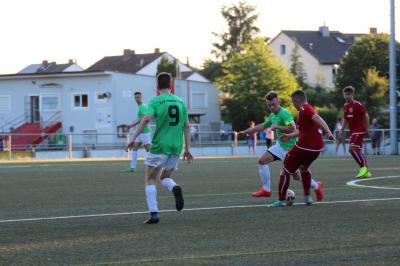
column 271, row 95
column 164, row 80
column 349, row 89
column 300, row 95
column 138, row 93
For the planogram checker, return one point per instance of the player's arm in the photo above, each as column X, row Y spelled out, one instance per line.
column 143, row 122
column 341, row 132
column 250, row 130
column 288, row 136
column 287, row 129
column 322, row 124
column 187, row 155
column 134, row 123
column 366, row 121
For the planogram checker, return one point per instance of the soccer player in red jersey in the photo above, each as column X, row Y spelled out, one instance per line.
column 356, row 117
column 306, row 149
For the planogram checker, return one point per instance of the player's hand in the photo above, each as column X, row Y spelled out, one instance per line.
column 330, row 136
column 129, row 146
column 187, row 156
column 285, row 137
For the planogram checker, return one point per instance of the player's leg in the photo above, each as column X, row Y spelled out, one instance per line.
column 265, row 176
column 290, row 165
column 134, row 155
column 355, row 149
column 317, row 186
column 307, row 157
column 154, row 163
column 166, row 180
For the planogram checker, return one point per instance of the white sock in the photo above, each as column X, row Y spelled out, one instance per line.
column 151, row 198
column 169, row 183
column 133, row 159
column 314, row 184
column 265, row 176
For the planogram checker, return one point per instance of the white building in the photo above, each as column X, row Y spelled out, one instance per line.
column 95, row 101
column 320, row 52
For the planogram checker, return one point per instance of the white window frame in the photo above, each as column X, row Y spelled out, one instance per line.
column 198, row 93
column 81, row 108
column 44, row 95
column 9, row 103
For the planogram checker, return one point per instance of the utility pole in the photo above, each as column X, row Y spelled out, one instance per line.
column 393, row 78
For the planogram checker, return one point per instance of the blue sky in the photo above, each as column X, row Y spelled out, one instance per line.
column 87, row 30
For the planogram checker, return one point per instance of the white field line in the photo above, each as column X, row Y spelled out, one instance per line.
column 354, row 183
column 185, row 210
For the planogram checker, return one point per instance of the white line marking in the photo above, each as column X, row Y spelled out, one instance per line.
column 354, row 182
column 185, row 210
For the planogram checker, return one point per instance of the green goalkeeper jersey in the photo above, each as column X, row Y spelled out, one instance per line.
column 281, row 118
column 170, row 114
column 142, row 111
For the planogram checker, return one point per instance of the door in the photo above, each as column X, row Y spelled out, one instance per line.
column 35, row 110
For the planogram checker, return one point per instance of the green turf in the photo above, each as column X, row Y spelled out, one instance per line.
column 338, row 233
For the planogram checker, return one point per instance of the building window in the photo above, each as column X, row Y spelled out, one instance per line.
column 81, row 100
column 5, row 103
column 283, row 49
column 50, row 103
column 334, row 72
column 199, row 100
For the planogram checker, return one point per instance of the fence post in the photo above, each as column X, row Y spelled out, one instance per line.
column 127, row 142
column 70, row 146
column 235, row 142
column 9, row 147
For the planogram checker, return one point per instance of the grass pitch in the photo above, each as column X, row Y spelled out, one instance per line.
column 91, row 213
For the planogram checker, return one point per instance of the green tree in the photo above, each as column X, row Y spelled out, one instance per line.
column 369, row 52
column 241, row 21
column 248, row 76
column 374, row 89
column 297, row 67
column 166, row 66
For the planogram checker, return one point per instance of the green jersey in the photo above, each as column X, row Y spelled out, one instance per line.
column 142, row 112
column 170, row 114
column 281, row 118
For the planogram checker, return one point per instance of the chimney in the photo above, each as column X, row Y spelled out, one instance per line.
column 373, row 30
column 157, row 50
column 128, row 52
column 70, row 61
column 45, row 63
column 324, row 30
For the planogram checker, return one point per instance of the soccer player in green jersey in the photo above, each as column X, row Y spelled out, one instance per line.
column 281, row 121
column 172, row 125
column 145, row 137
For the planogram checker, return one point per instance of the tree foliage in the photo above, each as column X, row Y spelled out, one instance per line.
column 241, row 19
column 297, row 66
column 248, row 76
column 369, row 52
column 167, row 66
column 374, row 89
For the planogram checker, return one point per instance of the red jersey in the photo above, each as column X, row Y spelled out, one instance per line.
column 310, row 137
column 353, row 113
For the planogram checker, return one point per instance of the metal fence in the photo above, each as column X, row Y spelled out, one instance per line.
column 94, row 144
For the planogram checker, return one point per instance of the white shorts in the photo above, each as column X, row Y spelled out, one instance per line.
column 168, row 162
column 278, row 151
column 144, row 138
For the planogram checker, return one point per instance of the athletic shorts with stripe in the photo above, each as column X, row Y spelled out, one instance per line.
column 297, row 157
column 357, row 139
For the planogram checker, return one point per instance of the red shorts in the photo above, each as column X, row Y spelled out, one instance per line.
column 357, row 140
column 297, row 157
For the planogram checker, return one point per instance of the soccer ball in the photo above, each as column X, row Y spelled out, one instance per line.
column 290, row 197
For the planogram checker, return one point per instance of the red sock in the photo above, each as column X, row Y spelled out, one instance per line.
column 306, row 180
column 284, row 182
column 359, row 157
